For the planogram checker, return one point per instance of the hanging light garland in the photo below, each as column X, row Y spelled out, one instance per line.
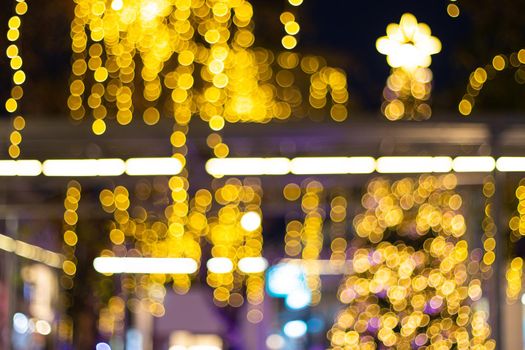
column 69, row 266
column 338, row 230
column 291, row 27
column 12, row 104
column 489, row 230
column 481, row 75
column 235, row 233
column 514, row 272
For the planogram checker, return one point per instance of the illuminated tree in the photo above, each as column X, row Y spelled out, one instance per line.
column 410, row 286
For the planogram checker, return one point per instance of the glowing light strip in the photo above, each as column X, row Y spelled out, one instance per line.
column 31, row 252
column 414, row 165
column 332, row 165
column 20, row 168
column 474, row 164
column 219, row 167
column 248, row 166
column 109, row 265
column 253, row 264
column 511, row 164
column 153, row 166
column 91, row 167
column 83, row 167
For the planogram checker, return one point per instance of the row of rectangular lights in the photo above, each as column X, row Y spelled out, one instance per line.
column 91, row 167
column 31, row 252
column 261, row 166
column 108, row 265
column 219, row 167
column 142, row 265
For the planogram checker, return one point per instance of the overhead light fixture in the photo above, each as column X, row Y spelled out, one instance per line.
column 219, row 265
column 26, row 167
column 511, row 164
column 319, row 165
column 474, row 164
column 253, row 264
column 145, row 265
column 153, row 166
column 403, row 165
column 83, row 167
column 219, row 167
column 332, row 165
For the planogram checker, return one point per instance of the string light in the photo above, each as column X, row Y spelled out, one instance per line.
column 291, row 27
column 481, row 75
column 338, row 219
column 69, row 265
column 12, row 104
column 489, row 230
column 236, row 235
column 514, row 271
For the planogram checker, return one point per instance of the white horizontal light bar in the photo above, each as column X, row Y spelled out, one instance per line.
column 31, row 252
column 20, row 168
column 219, row 167
column 253, row 264
column 247, row 166
column 145, row 265
column 332, row 165
column 153, row 166
column 219, row 265
column 510, row 164
column 391, row 165
column 91, row 167
column 84, row 167
column 474, row 164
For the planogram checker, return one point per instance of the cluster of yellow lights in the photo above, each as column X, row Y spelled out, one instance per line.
column 408, row 47
column 514, row 271
column 70, row 237
column 338, row 228
column 112, row 317
column 489, row 230
column 292, row 236
column 514, row 277
column 175, row 235
column 291, row 27
column 517, row 221
column 215, row 142
column 411, row 208
column 12, row 105
column 69, row 264
column 235, row 233
column 312, row 234
column 235, row 82
column 305, row 239
column 479, row 77
column 400, row 296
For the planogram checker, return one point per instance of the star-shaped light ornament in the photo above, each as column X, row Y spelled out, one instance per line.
column 408, row 44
